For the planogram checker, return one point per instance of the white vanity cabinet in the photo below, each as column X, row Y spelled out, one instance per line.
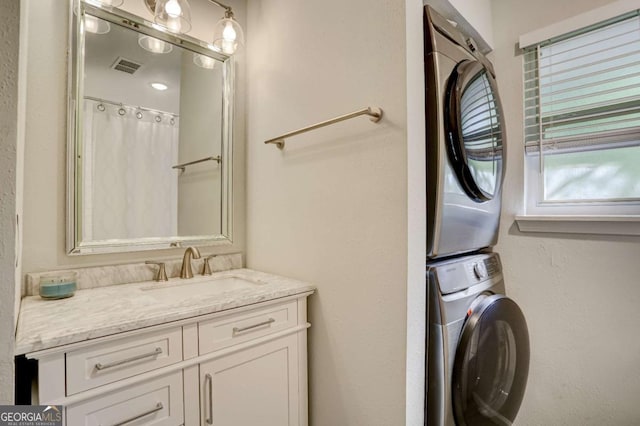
column 245, row 366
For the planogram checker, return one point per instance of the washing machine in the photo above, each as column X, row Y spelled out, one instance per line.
column 464, row 144
column 478, row 344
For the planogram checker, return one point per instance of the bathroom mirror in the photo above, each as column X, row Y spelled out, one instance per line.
column 150, row 135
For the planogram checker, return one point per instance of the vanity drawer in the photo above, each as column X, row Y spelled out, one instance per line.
column 114, row 360
column 227, row 331
column 157, row 402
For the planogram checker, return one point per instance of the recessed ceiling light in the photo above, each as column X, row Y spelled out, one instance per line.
column 159, row 86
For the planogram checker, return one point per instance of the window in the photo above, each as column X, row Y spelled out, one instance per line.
column 582, row 121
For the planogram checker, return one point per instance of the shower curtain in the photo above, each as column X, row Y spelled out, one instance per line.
column 129, row 188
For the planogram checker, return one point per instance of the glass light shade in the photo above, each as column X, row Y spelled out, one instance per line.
column 153, row 45
column 228, row 36
column 96, row 25
column 174, row 15
column 204, row 61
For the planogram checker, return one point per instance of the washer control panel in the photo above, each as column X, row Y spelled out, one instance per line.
column 460, row 273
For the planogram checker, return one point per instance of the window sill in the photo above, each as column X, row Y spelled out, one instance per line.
column 603, row 225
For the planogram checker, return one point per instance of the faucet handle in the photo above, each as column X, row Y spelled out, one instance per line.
column 162, row 271
column 206, row 268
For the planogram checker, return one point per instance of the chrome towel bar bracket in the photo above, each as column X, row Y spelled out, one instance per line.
column 374, row 112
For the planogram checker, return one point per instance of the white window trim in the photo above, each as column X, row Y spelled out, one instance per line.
column 583, row 224
column 587, row 218
column 577, row 22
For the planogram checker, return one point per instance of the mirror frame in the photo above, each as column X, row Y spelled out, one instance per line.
column 75, row 93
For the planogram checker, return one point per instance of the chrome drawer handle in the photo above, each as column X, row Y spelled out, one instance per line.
column 237, row 330
column 209, row 384
column 100, row 366
column 158, row 407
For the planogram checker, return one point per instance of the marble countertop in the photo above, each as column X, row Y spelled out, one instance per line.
column 98, row 312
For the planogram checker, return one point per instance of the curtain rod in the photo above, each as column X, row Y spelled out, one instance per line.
column 120, row 104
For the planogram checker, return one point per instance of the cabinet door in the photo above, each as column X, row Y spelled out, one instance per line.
column 255, row 386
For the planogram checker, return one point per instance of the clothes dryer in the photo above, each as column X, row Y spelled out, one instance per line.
column 478, row 344
column 465, row 142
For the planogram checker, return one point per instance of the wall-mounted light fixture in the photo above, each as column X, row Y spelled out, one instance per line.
column 227, row 35
column 175, row 16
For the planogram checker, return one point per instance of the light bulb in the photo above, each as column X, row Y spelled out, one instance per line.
column 173, row 9
column 229, row 34
column 159, row 86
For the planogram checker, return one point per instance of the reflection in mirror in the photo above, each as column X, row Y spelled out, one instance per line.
column 152, row 138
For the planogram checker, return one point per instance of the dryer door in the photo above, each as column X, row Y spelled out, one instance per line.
column 491, row 363
column 474, row 130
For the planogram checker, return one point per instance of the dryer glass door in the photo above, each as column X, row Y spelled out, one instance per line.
column 491, row 363
column 475, row 130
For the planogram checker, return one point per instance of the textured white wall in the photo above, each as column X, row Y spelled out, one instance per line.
column 580, row 294
column 9, row 70
column 332, row 207
column 45, row 154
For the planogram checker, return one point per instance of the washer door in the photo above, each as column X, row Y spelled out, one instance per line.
column 491, row 363
column 474, row 130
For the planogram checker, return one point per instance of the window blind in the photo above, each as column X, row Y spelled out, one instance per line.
column 582, row 90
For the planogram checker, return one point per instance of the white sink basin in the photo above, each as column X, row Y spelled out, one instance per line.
column 201, row 287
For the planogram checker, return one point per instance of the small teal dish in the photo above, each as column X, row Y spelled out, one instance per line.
column 58, row 285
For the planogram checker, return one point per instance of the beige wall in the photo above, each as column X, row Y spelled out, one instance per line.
column 331, row 208
column 478, row 13
column 580, row 294
column 9, row 199
column 45, row 154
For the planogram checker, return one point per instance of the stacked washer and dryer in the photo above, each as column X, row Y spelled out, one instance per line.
column 477, row 338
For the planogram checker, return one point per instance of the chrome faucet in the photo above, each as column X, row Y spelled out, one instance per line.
column 186, row 271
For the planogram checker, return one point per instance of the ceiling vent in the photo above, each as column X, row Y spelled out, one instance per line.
column 125, row 65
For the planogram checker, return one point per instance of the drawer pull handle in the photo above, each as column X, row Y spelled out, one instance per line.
column 237, row 330
column 100, row 366
column 158, row 407
column 209, row 384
